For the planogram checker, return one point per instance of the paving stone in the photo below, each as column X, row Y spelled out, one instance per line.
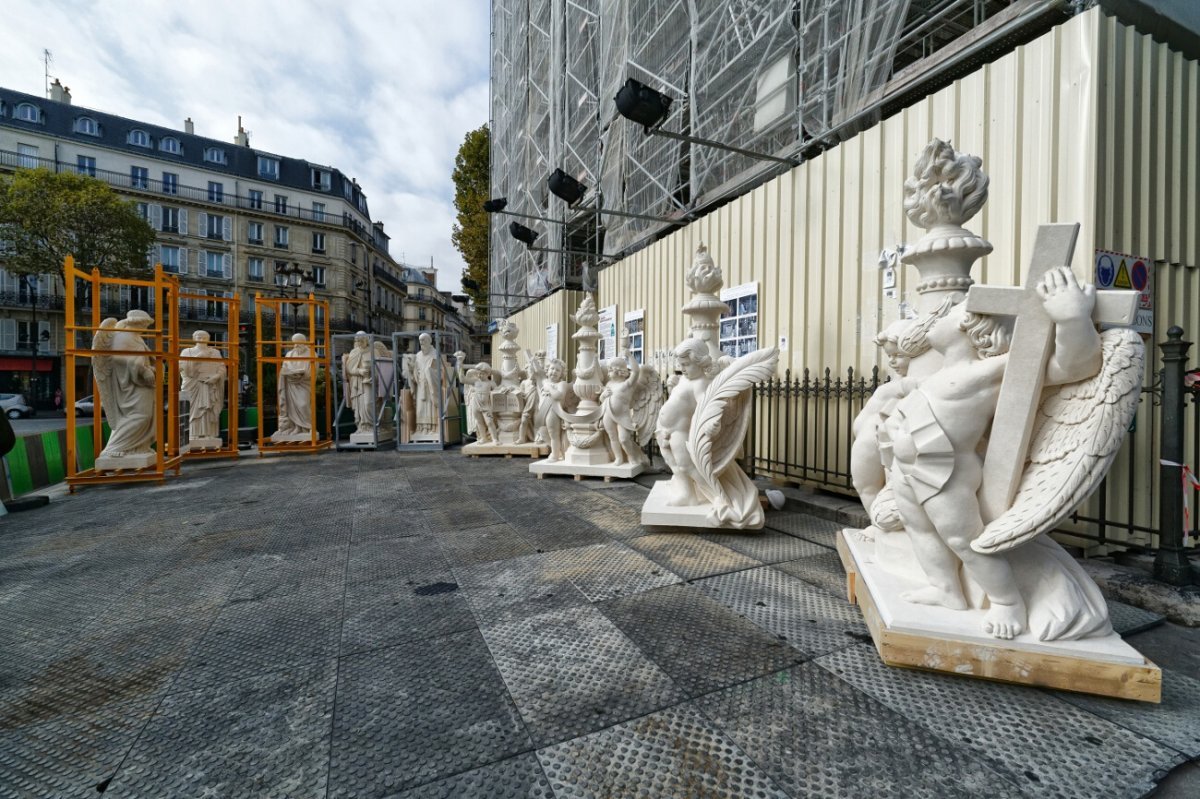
column 405, row 608
column 418, row 712
column 766, row 545
column 672, row 753
column 483, row 544
column 701, row 644
column 823, row 570
column 519, row 777
column 610, row 570
column 690, row 556
column 572, row 672
column 808, row 618
column 819, row 737
column 264, row 736
column 1043, row 745
column 819, row 531
column 505, row 590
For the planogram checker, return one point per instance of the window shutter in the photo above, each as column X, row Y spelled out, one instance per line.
column 185, row 265
column 201, row 224
column 227, row 265
column 156, row 216
column 227, row 231
column 183, row 221
column 8, row 334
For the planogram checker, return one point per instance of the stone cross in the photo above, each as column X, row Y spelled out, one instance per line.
column 1025, row 374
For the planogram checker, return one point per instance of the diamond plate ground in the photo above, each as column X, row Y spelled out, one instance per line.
column 672, row 753
column 265, row 736
column 819, row 531
column 519, row 777
column 546, row 525
column 766, row 545
column 806, row 617
column 1043, row 745
column 1127, row 620
column 690, row 556
column 610, row 570
column 418, row 712
column 823, row 570
column 506, row 590
column 818, row 737
column 394, row 610
column 274, row 575
column 572, row 672
column 702, row 645
column 482, row 544
column 381, row 559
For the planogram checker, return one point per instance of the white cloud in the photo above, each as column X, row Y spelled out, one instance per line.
column 384, row 91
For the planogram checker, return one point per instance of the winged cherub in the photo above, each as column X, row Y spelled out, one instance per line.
column 631, row 399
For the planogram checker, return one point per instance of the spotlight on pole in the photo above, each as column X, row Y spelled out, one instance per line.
column 639, row 103
column 495, row 205
column 526, row 236
column 566, row 187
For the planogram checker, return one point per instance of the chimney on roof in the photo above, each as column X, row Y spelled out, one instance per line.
column 60, row 93
column 243, row 138
column 189, row 126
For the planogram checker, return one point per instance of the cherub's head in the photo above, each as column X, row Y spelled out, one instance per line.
column 989, row 335
column 483, row 370
column 555, row 370
column 888, row 340
column 693, row 358
column 618, row 369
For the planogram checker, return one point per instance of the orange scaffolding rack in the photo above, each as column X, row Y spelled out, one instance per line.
column 271, row 351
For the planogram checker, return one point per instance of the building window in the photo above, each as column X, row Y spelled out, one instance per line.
column 353, row 253
column 318, row 273
column 143, row 210
column 87, row 126
column 85, row 165
column 171, row 260
column 254, row 232
column 256, row 199
column 318, row 242
column 318, row 212
column 139, row 177
column 281, row 236
column 280, row 204
column 214, row 155
column 216, row 192
column 420, row 313
column 739, row 325
column 216, row 226
column 254, row 269
column 28, row 155
column 27, row 112
column 321, row 179
column 214, row 264
column 170, row 183
column 268, row 167
column 170, row 219
column 139, row 138
column 169, row 144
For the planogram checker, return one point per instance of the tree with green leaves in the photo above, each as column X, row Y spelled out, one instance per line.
column 472, row 168
column 46, row 216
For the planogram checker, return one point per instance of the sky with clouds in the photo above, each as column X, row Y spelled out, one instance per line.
column 383, row 90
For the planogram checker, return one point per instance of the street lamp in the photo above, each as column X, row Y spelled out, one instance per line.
column 296, row 282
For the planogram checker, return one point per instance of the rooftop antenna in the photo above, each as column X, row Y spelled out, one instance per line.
column 46, row 59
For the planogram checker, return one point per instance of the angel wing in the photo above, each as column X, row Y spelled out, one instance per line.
column 720, row 421
column 1078, row 431
column 103, row 340
column 647, row 401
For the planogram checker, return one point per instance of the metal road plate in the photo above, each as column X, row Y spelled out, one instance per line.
column 176, row 591
column 1127, row 619
column 405, row 608
column 482, row 545
column 766, row 545
column 702, row 645
column 506, row 590
column 672, row 753
column 264, row 736
column 519, row 777
column 572, row 672
column 419, row 712
column 377, row 560
column 823, row 570
column 808, row 618
column 631, row 495
column 819, row 531
column 397, row 523
column 610, row 570
column 276, row 575
column 546, row 525
column 1043, row 745
column 819, row 737
column 690, row 556
column 465, row 514
column 1175, row 722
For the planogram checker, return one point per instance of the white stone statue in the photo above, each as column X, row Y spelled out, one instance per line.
column 428, row 377
column 367, row 374
column 631, row 401
column 294, row 393
column 129, row 395
column 557, row 392
column 499, row 401
column 203, row 386
column 703, row 422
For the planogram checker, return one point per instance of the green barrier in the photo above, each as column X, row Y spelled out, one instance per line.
column 84, row 456
column 19, row 472
column 56, row 470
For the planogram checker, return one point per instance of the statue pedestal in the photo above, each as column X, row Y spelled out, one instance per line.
column 112, row 463
column 490, row 449
column 291, row 438
column 425, row 438
column 657, row 512
column 953, row 641
column 368, row 439
column 200, row 444
column 626, row 471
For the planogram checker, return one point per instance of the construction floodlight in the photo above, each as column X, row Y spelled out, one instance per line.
column 639, row 103
column 566, row 187
column 526, row 236
column 495, row 205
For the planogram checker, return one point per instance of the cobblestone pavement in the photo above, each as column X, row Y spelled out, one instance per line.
column 426, row 625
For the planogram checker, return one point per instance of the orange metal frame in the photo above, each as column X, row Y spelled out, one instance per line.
column 231, row 359
column 270, row 351
column 163, row 352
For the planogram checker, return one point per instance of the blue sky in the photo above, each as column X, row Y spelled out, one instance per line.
column 384, row 91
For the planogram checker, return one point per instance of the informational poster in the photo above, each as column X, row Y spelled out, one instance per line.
column 551, row 341
column 1116, row 270
column 606, row 347
column 739, row 324
column 635, row 328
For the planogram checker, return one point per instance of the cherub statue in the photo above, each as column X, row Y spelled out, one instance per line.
column 531, row 397
column 480, row 382
column 556, row 390
column 631, row 400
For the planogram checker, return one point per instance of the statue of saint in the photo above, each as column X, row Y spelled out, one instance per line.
column 356, row 370
column 203, row 386
column 427, row 377
column 295, row 393
column 128, row 390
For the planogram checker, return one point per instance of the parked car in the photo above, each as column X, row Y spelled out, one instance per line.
column 14, row 406
column 84, row 404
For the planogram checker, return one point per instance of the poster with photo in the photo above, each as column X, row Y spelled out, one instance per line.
column 635, row 328
column 606, row 347
column 551, row 341
column 739, row 324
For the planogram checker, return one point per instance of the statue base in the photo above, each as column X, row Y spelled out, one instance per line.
column 424, row 438
column 626, row 471
column 130, row 462
column 477, row 450
column 291, row 438
column 658, row 513
column 369, row 440
column 953, row 641
column 200, row 444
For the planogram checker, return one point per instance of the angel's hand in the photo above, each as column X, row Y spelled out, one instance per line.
column 1063, row 298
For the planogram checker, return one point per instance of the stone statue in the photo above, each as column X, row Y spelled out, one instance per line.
column 505, row 406
column 128, row 388
column 367, row 374
column 480, row 384
column 703, row 422
column 203, row 385
column 556, row 392
column 294, row 392
column 631, row 400
column 427, row 381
